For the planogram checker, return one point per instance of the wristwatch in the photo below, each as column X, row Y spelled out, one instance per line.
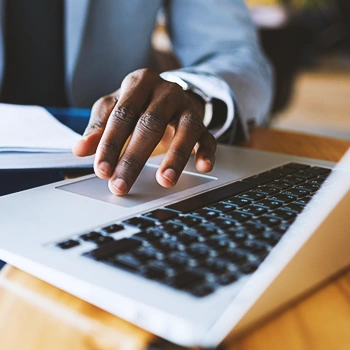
column 186, row 86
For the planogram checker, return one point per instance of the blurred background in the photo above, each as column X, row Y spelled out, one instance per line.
column 308, row 45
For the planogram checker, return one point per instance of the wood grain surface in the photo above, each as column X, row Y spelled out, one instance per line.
column 38, row 316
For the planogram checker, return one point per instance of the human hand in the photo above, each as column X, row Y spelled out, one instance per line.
column 143, row 107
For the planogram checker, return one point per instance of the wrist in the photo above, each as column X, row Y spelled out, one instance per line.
column 205, row 100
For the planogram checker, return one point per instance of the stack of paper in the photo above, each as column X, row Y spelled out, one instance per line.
column 30, row 137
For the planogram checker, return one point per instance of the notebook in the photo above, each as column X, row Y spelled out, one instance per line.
column 197, row 263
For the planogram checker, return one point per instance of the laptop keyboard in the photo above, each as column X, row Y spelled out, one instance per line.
column 211, row 240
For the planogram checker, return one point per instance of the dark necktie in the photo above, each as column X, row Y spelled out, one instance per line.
column 34, row 56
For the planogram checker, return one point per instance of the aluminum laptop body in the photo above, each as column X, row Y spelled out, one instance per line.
column 313, row 249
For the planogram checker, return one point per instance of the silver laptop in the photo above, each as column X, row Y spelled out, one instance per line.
column 193, row 264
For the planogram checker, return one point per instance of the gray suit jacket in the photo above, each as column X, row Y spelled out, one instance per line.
column 106, row 40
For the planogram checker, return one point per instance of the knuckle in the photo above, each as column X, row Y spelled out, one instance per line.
column 174, row 88
column 94, row 126
column 152, row 123
column 145, row 72
column 111, row 146
column 123, row 115
column 129, row 162
column 104, row 102
column 192, row 123
column 138, row 75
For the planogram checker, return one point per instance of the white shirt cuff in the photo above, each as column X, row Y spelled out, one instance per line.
column 214, row 87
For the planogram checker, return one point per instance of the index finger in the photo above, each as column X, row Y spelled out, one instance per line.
column 133, row 98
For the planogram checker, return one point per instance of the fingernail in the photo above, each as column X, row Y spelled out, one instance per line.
column 208, row 160
column 120, row 186
column 105, row 168
column 170, row 175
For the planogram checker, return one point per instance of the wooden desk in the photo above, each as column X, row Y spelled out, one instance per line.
column 37, row 316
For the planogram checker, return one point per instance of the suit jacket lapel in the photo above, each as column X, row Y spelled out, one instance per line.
column 76, row 12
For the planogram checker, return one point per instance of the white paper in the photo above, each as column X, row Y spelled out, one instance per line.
column 11, row 161
column 33, row 129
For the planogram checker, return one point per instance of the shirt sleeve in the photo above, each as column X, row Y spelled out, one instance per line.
column 215, row 87
column 217, row 44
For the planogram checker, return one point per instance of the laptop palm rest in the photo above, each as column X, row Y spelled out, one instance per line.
column 144, row 190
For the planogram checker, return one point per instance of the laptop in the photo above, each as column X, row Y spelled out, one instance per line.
column 197, row 263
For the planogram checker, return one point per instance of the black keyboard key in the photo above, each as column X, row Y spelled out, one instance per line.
column 148, row 236
column 215, row 265
column 254, row 210
column 284, row 170
column 253, row 228
column 187, row 220
column 205, row 213
column 201, row 290
column 317, row 180
column 238, row 202
column 113, row 248
column 162, row 266
column 283, row 215
column 186, row 238
column 68, row 244
column 248, row 268
column 270, row 237
column 253, row 196
column 294, row 180
column 213, row 196
column 223, row 222
column 166, row 245
column 310, row 187
column 269, row 204
column 122, row 265
column 304, row 200
column 268, row 221
column 90, row 236
column 227, row 278
column 160, row 215
column 320, row 171
column 199, row 250
column 181, row 258
column 138, row 222
column 103, row 240
column 113, row 228
column 283, row 198
column 129, row 260
column 206, row 230
column 296, row 192
column 170, row 227
column 281, row 229
column 268, row 191
column 96, row 238
column 297, row 166
column 260, row 179
column 221, row 207
column 254, row 247
column 234, row 256
column 217, row 243
column 154, row 273
column 237, row 217
column 294, row 207
column 186, row 278
column 280, row 185
column 237, row 236
column 146, row 253
column 306, row 174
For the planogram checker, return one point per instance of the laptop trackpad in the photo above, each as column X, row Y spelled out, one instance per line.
column 144, row 190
